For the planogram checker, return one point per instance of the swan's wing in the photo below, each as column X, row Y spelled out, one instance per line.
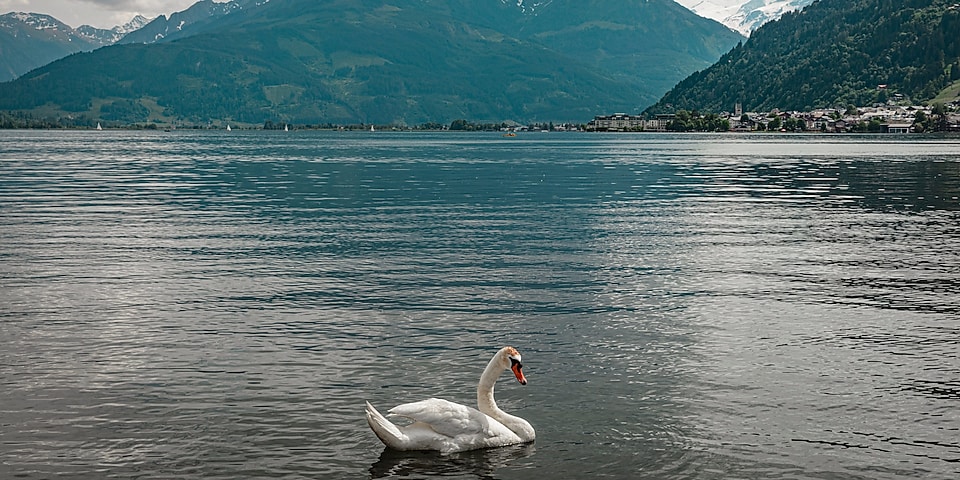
column 450, row 419
column 416, row 436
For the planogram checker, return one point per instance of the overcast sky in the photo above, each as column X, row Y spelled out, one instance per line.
column 99, row 13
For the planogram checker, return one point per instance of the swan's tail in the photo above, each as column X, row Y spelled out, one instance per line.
column 386, row 431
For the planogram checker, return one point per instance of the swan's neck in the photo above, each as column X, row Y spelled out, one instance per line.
column 485, row 401
column 487, row 405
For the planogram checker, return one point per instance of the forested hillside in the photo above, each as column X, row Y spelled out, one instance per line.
column 833, row 53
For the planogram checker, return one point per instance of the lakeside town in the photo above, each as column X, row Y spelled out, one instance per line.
column 892, row 119
column 887, row 119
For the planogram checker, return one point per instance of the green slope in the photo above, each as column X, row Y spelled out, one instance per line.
column 833, row 53
column 651, row 43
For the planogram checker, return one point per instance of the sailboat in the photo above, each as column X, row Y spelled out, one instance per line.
column 371, row 128
column 228, row 127
column 285, row 128
column 99, row 127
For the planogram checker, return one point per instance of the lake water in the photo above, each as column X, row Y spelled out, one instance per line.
column 204, row 305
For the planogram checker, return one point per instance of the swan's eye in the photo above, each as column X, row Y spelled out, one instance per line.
column 515, row 363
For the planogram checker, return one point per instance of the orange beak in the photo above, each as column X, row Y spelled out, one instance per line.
column 517, row 369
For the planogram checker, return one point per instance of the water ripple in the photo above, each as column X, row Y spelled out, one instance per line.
column 204, row 305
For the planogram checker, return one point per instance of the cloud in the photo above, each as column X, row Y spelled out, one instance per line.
column 140, row 5
column 13, row 5
column 99, row 13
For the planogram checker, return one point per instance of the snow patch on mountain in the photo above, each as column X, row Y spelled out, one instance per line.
column 37, row 21
column 744, row 16
column 529, row 6
column 177, row 23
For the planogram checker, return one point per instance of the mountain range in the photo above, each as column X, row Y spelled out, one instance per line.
column 357, row 61
column 833, row 54
column 379, row 61
column 29, row 40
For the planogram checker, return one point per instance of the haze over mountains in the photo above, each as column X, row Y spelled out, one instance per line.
column 379, row 61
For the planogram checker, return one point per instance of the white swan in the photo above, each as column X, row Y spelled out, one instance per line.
column 449, row 427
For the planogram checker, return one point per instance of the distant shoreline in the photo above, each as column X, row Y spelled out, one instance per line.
column 754, row 133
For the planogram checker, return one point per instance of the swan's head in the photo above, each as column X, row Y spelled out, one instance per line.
column 511, row 357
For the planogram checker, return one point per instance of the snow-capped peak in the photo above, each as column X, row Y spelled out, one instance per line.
column 744, row 16
column 135, row 24
column 100, row 36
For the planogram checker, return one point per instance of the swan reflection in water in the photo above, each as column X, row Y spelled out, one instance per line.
column 479, row 463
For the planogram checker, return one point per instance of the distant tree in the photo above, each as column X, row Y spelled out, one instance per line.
column 794, row 124
column 920, row 121
column 939, row 117
column 686, row 121
column 774, row 124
